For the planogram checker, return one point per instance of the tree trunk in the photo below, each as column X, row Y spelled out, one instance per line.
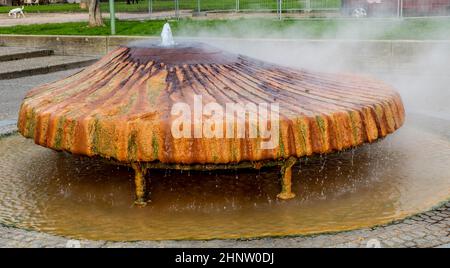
column 95, row 15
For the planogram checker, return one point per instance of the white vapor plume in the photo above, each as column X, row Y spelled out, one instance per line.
column 418, row 69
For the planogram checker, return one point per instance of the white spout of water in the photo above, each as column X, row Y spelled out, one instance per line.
column 166, row 36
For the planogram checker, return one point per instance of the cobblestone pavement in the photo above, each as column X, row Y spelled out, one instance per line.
column 429, row 229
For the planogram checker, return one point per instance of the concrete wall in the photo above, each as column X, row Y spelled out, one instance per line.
column 5, row 2
column 372, row 54
column 62, row 45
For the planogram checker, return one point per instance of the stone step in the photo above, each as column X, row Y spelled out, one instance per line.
column 17, row 53
column 42, row 65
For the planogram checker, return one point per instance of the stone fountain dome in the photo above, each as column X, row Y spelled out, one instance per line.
column 120, row 109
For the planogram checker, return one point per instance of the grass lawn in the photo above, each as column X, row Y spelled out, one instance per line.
column 414, row 29
column 164, row 5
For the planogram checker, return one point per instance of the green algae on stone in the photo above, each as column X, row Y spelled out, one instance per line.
column 281, row 152
column 355, row 130
column 94, row 131
column 321, row 124
column 132, row 146
column 30, row 123
column 155, row 146
column 59, row 132
column 126, row 108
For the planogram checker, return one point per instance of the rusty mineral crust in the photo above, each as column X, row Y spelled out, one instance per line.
column 120, row 107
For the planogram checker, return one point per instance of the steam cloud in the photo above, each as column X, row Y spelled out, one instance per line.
column 419, row 70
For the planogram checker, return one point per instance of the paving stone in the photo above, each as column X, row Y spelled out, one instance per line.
column 406, row 237
column 409, row 221
column 418, row 234
column 389, row 243
column 437, row 218
column 410, row 244
column 397, row 240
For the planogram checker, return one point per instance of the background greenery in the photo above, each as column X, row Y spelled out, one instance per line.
column 425, row 28
column 164, row 5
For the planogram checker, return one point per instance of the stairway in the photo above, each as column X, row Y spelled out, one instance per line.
column 20, row 62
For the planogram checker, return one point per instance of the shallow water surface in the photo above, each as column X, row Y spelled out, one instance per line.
column 406, row 173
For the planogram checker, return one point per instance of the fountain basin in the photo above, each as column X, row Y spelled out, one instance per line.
column 370, row 185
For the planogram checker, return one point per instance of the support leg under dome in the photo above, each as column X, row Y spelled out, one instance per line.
column 286, row 176
column 140, row 184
